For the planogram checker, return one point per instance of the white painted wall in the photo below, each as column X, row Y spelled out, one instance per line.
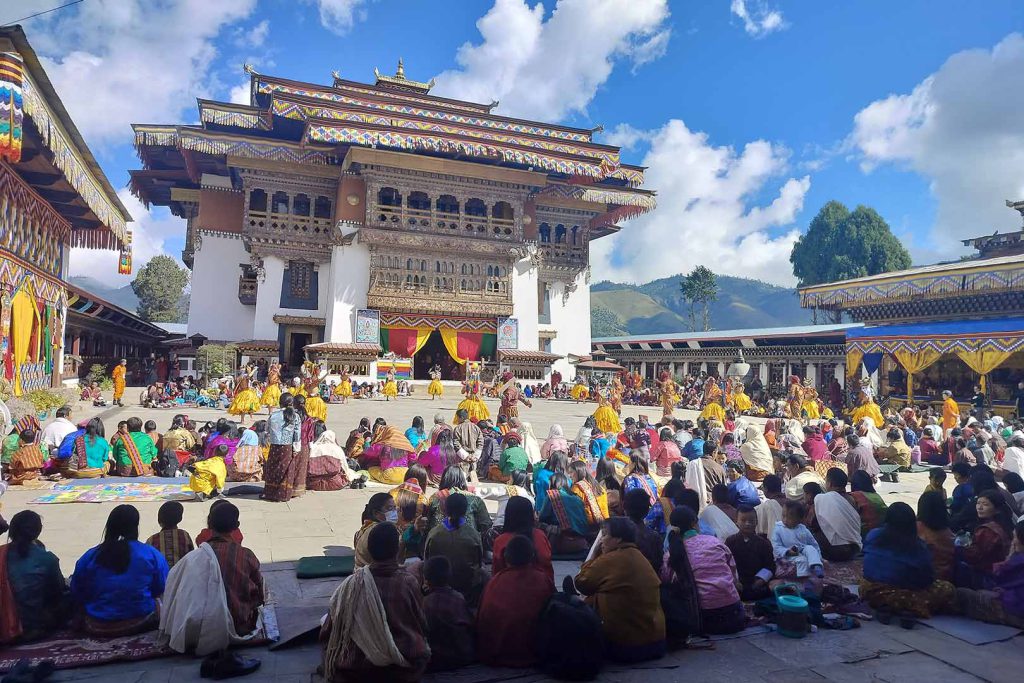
column 571, row 319
column 214, row 310
column 268, row 298
column 524, row 303
column 347, row 284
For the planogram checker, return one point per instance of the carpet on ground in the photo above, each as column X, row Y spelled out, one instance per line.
column 110, row 492
column 971, row 631
column 71, row 649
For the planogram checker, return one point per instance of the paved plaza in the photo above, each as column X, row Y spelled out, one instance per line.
column 324, row 522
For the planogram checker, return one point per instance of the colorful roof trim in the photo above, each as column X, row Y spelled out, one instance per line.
column 382, row 137
column 629, row 204
column 433, row 100
column 948, row 336
column 75, row 170
column 222, row 114
column 208, row 142
column 382, row 102
column 953, row 279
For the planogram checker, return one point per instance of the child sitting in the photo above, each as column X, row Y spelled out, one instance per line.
column 964, row 492
column 449, row 622
column 755, row 559
column 171, row 541
column 209, row 475
column 206, row 534
column 936, row 481
column 794, row 544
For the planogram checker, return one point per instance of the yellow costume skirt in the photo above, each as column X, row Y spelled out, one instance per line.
column 811, row 408
column 392, row 475
column 579, row 392
column 208, row 475
column 827, row 413
column 271, row 395
column 607, row 420
column 476, row 408
column 868, row 410
column 246, row 402
column 741, row 402
column 344, row 389
column 713, row 411
column 435, row 388
column 316, row 408
column 391, row 388
column 296, row 391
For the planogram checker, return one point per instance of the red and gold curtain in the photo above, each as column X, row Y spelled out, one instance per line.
column 464, row 345
column 404, row 342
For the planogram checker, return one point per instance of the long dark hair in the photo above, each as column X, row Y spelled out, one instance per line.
column 519, row 516
column 25, row 529
column 287, row 402
column 931, row 511
column 900, row 528
column 683, row 519
column 446, row 447
column 521, row 478
column 300, row 406
column 861, row 481
column 579, row 471
column 375, row 505
column 95, row 429
column 558, row 461
column 122, row 528
column 1003, row 516
column 453, row 477
column 260, row 429
column 606, row 474
column 417, row 424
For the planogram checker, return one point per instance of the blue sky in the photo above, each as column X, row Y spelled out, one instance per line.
column 750, row 113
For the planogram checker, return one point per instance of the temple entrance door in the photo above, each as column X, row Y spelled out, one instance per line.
column 297, row 342
column 434, row 352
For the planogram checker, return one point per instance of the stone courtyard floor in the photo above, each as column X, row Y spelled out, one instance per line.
column 322, row 523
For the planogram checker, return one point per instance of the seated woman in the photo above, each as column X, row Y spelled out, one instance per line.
column 708, row 563
column 33, row 596
column 380, row 508
column 990, row 540
column 412, row 512
column 1003, row 602
column 557, row 462
column 378, row 609
column 565, row 512
column 665, row 452
column 454, row 481
column 512, row 604
column 869, row 504
column 439, row 456
column 626, row 593
column 27, row 461
column 800, row 472
column 610, row 478
column 638, row 477
column 328, row 468
column 519, row 520
column 90, row 456
column 933, row 529
column 117, row 583
column 247, row 460
column 513, row 458
column 898, row 574
column 357, row 438
column 457, row 540
column 834, row 521
column 554, row 443
column 417, row 436
column 590, row 491
column 756, row 452
column 388, row 457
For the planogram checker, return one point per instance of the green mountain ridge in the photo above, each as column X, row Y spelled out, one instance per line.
column 658, row 307
column 120, row 296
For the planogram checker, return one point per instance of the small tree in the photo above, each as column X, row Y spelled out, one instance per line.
column 700, row 287
column 159, row 286
column 215, row 360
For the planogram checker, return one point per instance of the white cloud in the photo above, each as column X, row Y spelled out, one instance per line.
column 961, row 129
column 251, row 37
column 117, row 62
column 240, row 93
column 339, row 16
column 706, row 211
column 150, row 231
column 758, row 18
column 626, row 136
column 548, row 69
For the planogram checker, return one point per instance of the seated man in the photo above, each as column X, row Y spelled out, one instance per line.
column 354, row 620
column 27, row 461
column 133, row 452
column 448, row 618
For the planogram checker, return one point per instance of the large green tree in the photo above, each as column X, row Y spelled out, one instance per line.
column 159, row 285
column 840, row 244
column 700, row 288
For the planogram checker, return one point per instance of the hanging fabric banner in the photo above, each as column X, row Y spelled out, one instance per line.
column 915, row 362
column 984, row 362
column 853, row 359
column 403, row 341
column 12, row 112
column 872, row 361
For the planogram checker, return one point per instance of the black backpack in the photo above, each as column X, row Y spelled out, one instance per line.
column 570, row 640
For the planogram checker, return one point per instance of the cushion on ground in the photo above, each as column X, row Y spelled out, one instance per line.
column 320, row 567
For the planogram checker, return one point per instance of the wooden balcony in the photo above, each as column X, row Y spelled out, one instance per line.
column 288, row 226
column 247, row 289
column 441, row 222
column 431, row 297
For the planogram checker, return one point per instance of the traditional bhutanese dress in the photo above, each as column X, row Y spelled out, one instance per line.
column 247, row 461
column 272, row 394
column 390, row 386
column 566, row 510
column 643, row 482
column 579, row 392
column 594, row 505
column 344, row 388
column 246, row 401
column 473, row 404
column 208, row 475
column 435, row 388
column 90, row 457
column 280, row 471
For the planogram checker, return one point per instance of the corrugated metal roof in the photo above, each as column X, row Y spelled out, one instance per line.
column 796, row 331
column 923, row 270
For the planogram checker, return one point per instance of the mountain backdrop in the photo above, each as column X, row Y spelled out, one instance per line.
column 121, row 296
column 658, row 307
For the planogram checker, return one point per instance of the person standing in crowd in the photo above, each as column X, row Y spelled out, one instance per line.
column 118, row 374
column 285, row 437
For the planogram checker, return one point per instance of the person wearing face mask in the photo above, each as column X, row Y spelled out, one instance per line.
column 460, row 542
column 380, row 508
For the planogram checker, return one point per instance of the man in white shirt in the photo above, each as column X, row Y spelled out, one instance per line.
column 54, row 433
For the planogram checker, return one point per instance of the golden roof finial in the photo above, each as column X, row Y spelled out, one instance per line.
column 399, row 80
column 401, row 70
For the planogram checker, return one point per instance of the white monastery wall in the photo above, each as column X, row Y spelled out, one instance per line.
column 524, row 303
column 268, row 298
column 214, row 310
column 570, row 318
column 347, row 285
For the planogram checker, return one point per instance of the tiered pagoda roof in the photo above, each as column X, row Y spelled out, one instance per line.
column 291, row 121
